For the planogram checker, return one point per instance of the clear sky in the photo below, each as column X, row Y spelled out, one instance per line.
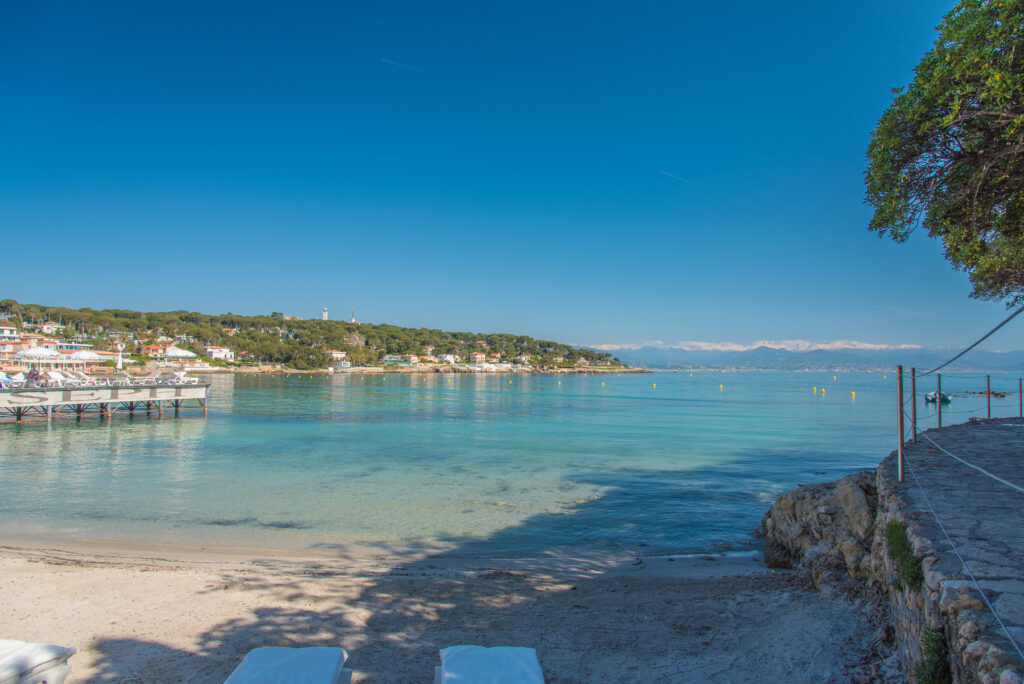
column 601, row 173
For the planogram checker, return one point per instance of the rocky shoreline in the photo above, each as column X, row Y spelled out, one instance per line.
column 865, row 537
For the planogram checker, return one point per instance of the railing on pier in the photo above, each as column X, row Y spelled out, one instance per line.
column 904, row 463
column 102, row 400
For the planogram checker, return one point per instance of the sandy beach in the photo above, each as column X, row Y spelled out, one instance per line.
column 173, row 616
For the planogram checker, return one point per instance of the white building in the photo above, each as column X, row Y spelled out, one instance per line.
column 220, row 353
column 325, row 313
column 8, row 332
column 336, row 355
column 448, row 358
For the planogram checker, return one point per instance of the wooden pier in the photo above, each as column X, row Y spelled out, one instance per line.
column 53, row 402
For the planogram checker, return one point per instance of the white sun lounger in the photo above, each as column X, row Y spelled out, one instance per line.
column 282, row 665
column 480, row 665
column 22, row 663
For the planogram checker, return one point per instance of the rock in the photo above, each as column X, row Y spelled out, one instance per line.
column 824, row 527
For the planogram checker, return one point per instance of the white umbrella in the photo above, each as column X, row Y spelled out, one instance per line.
column 37, row 353
column 85, row 355
column 175, row 353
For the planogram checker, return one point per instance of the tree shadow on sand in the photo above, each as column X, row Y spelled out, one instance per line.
column 603, row 618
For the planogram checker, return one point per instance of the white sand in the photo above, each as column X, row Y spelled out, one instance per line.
column 135, row 617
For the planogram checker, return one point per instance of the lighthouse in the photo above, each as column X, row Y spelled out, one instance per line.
column 325, row 313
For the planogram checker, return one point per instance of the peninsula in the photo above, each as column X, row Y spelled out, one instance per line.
column 278, row 342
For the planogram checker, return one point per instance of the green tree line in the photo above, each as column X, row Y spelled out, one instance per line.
column 296, row 343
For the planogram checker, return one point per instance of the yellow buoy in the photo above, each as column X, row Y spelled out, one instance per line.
column 822, row 390
column 853, row 395
column 720, row 387
column 885, row 377
column 602, row 384
column 510, row 382
column 833, row 377
column 814, row 389
column 654, row 385
column 559, row 382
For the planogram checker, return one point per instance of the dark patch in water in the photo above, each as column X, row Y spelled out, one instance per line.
column 286, row 525
column 236, row 521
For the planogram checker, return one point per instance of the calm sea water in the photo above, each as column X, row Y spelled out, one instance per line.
column 471, row 464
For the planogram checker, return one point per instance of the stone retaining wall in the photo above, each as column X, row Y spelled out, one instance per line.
column 836, row 532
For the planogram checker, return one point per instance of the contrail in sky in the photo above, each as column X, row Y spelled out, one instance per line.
column 678, row 178
column 402, row 66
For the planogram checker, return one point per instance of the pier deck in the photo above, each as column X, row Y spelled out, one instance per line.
column 52, row 402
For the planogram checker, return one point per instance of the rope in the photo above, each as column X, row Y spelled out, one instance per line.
column 966, row 463
column 979, row 341
column 963, row 563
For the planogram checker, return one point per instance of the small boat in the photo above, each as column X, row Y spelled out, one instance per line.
column 931, row 397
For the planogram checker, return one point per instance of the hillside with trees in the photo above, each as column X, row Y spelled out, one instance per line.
column 297, row 343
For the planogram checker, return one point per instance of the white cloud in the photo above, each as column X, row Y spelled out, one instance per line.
column 788, row 345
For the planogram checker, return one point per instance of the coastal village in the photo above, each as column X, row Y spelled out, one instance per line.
column 47, row 344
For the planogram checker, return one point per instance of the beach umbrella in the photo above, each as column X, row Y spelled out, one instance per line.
column 37, row 354
column 85, row 355
column 174, row 352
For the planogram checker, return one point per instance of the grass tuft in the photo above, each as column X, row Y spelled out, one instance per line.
column 934, row 667
column 902, row 555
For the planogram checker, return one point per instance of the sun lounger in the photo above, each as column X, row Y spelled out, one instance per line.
column 282, row 665
column 54, row 379
column 480, row 665
column 22, row 663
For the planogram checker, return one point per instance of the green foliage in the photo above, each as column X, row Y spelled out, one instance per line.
column 300, row 344
column 933, row 668
column 902, row 555
column 948, row 154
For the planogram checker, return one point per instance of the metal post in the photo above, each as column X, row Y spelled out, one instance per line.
column 938, row 396
column 1020, row 394
column 899, row 408
column 913, row 402
column 988, row 395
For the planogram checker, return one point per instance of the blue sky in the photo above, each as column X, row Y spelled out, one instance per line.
column 588, row 172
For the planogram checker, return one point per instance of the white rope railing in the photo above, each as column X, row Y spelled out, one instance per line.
column 963, row 563
column 961, row 460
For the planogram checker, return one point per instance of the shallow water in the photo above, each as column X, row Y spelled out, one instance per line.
column 473, row 464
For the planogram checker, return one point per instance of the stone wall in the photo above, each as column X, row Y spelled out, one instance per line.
column 835, row 531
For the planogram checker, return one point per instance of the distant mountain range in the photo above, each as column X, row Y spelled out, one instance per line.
column 771, row 358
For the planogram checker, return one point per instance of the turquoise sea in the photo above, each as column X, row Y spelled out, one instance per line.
column 491, row 465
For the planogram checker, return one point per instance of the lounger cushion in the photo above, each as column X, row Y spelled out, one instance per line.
column 19, row 660
column 281, row 665
column 499, row 665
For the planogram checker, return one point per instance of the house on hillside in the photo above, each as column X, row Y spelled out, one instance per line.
column 8, row 332
column 477, row 357
column 448, row 358
column 219, row 353
column 582, row 362
column 336, row 355
column 153, row 351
